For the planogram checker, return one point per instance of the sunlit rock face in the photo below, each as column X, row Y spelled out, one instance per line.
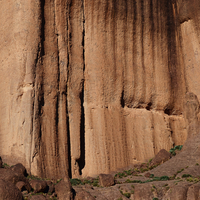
column 88, row 87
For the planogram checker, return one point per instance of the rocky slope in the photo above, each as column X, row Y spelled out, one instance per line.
column 88, row 87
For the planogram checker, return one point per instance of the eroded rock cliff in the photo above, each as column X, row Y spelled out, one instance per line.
column 88, row 87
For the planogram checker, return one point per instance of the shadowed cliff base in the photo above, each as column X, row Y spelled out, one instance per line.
column 89, row 87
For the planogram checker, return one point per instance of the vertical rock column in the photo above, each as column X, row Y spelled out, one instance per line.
column 76, row 82
column 19, row 55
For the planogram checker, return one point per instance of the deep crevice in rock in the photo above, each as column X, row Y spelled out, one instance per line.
column 81, row 161
column 122, row 102
column 149, row 105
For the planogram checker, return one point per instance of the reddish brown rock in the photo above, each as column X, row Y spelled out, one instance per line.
column 37, row 197
column 143, row 193
column 51, row 187
column 106, row 180
column 9, row 175
column 95, row 86
column 64, row 190
column 193, row 192
column 161, row 157
column 19, row 168
column 38, row 186
column 9, row 191
column 147, row 175
column 178, row 192
column 83, row 195
column 23, row 186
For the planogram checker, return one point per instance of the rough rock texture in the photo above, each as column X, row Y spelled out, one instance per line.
column 83, row 195
column 64, row 190
column 9, row 191
column 38, row 197
column 23, row 186
column 88, row 87
column 106, row 180
column 190, row 154
column 38, row 186
column 161, row 157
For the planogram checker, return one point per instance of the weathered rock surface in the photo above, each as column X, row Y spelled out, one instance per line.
column 38, row 186
column 9, row 191
column 83, row 195
column 161, row 157
column 38, row 197
column 19, row 168
column 64, row 190
column 9, row 175
column 87, row 87
column 106, row 180
column 23, row 186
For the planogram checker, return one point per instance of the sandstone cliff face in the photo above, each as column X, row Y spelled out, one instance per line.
column 88, row 87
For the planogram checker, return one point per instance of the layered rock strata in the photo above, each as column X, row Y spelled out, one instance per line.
column 88, row 87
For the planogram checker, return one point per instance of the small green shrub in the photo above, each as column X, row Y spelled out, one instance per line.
column 196, row 180
column 162, row 178
column 136, row 181
column 179, row 171
column 165, row 185
column 167, row 188
column 137, row 170
column 95, row 183
column 128, row 172
column 150, row 160
column 144, row 170
column 172, row 150
column 151, row 176
column 85, row 181
column 190, row 179
column 186, row 175
column 5, row 165
column 75, row 181
column 127, row 195
column 120, row 175
column 132, row 191
column 128, row 181
column 32, row 177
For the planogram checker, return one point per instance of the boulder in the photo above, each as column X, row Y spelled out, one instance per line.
column 51, row 187
column 106, row 180
column 38, row 186
column 64, row 190
column 19, row 168
column 161, row 157
column 9, row 175
column 23, row 186
column 8, row 191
